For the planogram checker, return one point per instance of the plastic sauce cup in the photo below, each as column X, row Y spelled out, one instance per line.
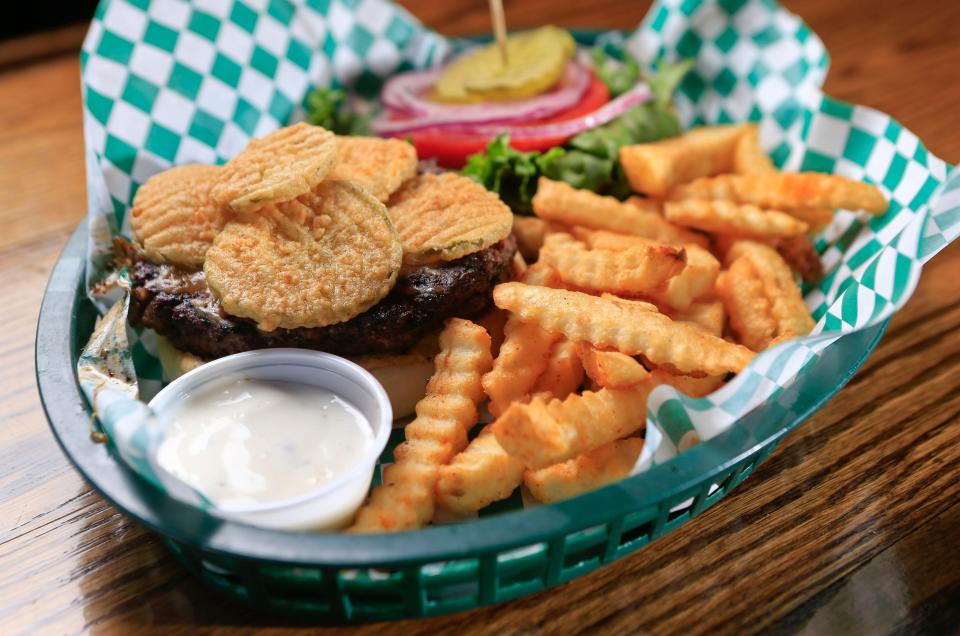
column 333, row 504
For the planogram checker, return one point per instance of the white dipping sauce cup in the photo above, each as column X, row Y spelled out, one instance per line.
column 332, row 505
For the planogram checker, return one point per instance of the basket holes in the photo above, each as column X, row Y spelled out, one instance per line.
column 370, row 593
column 637, row 536
column 718, row 490
column 449, row 585
column 584, row 558
column 299, row 575
column 223, row 578
column 522, row 567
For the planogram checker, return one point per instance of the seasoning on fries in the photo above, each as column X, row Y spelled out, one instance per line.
column 726, row 217
column 784, row 190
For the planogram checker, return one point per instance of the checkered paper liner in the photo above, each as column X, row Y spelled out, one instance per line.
column 171, row 82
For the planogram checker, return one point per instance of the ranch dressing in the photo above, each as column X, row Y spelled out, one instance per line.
column 243, row 441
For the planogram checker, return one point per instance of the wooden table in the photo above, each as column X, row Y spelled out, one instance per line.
column 852, row 525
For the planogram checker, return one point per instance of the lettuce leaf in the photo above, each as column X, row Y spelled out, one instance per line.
column 589, row 160
column 327, row 107
column 510, row 173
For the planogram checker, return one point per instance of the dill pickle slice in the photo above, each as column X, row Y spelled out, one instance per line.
column 536, row 61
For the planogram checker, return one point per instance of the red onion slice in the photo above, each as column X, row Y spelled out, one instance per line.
column 403, row 92
column 606, row 113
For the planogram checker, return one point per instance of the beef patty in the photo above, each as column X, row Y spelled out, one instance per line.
column 179, row 305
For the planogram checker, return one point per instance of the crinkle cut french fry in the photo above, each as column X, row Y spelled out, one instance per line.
column 709, row 316
column 687, row 384
column 815, row 218
column 518, row 266
column 697, row 279
column 531, row 232
column 747, row 306
column 611, row 369
column 541, row 274
column 523, row 358
column 479, row 475
column 635, row 270
column 622, row 325
column 606, row 240
column 589, row 471
column 494, row 322
column 749, row 157
column 786, row 302
column 726, row 217
column 784, row 190
column 529, row 354
column 405, row 499
column 655, row 168
column 801, row 256
column 559, row 202
column 542, row 433
column 564, row 372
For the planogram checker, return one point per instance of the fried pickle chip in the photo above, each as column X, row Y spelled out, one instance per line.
column 639, row 269
column 589, row 471
column 379, row 165
column 277, row 167
column 446, row 217
column 626, row 326
column 562, row 203
column 406, row 498
column 479, row 475
column 175, row 217
column 785, row 190
column 543, row 433
column 726, row 217
column 320, row 259
column 655, row 168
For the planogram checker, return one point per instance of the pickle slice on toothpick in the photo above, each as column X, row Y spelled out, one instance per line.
column 535, row 61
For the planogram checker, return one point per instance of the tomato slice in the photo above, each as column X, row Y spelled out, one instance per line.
column 452, row 149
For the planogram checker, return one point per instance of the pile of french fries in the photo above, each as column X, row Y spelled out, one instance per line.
column 681, row 285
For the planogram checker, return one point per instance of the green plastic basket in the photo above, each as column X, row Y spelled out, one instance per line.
column 448, row 568
column 355, row 578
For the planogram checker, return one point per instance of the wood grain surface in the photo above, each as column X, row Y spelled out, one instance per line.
column 851, row 526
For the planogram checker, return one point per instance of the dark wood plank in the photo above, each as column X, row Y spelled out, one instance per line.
column 850, row 526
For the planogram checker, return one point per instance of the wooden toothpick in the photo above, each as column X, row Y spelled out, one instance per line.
column 499, row 29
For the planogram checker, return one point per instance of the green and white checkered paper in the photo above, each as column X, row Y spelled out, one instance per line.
column 171, row 82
